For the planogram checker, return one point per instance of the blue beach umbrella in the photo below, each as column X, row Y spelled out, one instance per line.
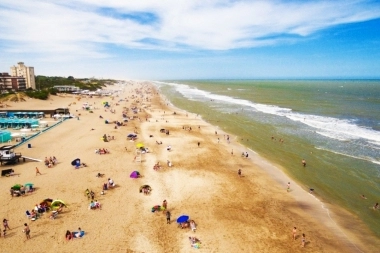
column 182, row 218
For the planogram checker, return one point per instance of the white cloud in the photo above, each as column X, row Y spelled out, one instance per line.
column 78, row 28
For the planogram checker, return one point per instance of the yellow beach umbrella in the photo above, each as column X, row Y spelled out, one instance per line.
column 140, row 145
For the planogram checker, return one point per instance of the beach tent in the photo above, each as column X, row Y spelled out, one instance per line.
column 132, row 135
column 135, row 174
column 75, row 162
column 47, row 202
column 182, row 218
column 140, row 145
column 56, row 203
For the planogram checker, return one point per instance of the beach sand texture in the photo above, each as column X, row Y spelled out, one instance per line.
column 252, row 213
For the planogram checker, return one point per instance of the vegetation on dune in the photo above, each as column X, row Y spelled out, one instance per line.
column 45, row 87
column 13, row 97
column 48, row 82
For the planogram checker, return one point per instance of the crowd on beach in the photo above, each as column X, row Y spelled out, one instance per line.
column 94, row 204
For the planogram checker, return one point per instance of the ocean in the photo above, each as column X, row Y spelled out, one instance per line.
column 333, row 124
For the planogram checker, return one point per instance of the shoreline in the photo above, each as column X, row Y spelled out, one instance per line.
column 247, row 214
column 324, row 212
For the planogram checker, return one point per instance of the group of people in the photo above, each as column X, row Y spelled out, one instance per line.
column 110, row 184
column 95, row 205
column 71, row 235
column 50, row 162
column 157, row 166
column 20, row 192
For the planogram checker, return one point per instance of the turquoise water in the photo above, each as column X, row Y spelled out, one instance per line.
column 333, row 124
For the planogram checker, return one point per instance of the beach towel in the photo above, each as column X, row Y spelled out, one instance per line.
column 78, row 234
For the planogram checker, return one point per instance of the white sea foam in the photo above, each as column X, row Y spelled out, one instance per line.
column 368, row 159
column 330, row 127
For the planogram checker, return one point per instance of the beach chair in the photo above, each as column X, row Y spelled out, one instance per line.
column 54, row 215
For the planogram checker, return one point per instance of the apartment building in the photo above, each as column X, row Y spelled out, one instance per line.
column 8, row 82
column 23, row 71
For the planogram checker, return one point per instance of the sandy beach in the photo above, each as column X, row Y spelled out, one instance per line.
column 251, row 213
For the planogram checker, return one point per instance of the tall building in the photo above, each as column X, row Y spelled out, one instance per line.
column 23, row 71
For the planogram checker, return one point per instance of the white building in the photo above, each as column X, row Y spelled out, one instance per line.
column 65, row 88
column 23, row 71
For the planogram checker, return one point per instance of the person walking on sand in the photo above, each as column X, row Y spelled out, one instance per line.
column 303, row 163
column 303, row 240
column 239, row 172
column 168, row 217
column 294, row 233
column 199, row 144
column 288, row 189
column 5, row 224
column 376, row 206
column 26, row 231
column 38, row 171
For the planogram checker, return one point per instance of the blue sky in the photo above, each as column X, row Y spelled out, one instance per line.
column 174, row 39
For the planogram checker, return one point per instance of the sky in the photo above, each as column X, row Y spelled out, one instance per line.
column 192, row 39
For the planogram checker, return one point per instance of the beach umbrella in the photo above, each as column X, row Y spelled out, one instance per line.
column 56, row 203
column 135, row 174
column 140, row 145
column 182, row 218
column 16, row 187
column 75, row 162
column 28, row 184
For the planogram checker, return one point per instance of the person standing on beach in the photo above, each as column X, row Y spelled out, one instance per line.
column 303, row 162
column 294, row 233
column 26, row 231
column 165, row 204
column 239, row 172
column 167, row 217
column 38, row 171
column 199, row 144
column 288, row 189
column 376, row 206
column 303, row 240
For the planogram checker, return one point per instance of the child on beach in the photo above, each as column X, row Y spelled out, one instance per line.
column 294, row 233
column 239, row 172
column 38, row 171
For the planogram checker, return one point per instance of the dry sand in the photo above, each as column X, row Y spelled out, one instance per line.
column 254, row 213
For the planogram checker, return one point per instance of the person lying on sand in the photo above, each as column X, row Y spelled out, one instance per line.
column 363, row 197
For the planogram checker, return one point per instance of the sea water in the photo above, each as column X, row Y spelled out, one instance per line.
column 333, row 124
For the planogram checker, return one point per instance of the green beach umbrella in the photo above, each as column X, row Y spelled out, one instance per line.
column 17, row 187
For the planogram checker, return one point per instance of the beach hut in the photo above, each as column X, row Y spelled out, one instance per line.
column 5, row 136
